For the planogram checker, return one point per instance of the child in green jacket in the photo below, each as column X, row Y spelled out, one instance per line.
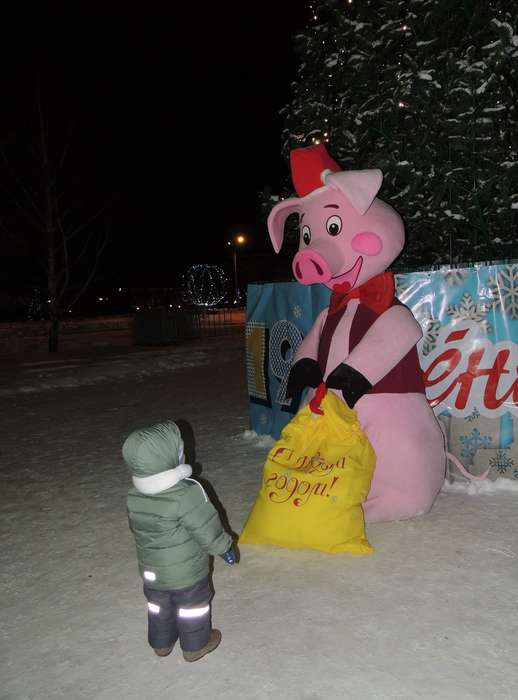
column 176, row 528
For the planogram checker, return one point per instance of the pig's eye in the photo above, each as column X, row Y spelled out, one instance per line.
column 334, row 225
column 306, row 235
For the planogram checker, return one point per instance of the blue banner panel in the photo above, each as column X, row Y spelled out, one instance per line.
column 278, row 316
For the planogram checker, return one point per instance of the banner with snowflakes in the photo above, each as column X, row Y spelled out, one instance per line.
column 469, row 355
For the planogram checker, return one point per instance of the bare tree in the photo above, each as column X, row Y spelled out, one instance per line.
column 70, row 242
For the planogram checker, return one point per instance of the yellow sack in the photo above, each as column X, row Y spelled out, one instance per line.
column 315, row 479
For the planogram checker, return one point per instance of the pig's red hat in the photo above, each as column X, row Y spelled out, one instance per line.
column 307, row 165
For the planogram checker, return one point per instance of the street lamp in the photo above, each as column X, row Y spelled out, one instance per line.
column 237, row 241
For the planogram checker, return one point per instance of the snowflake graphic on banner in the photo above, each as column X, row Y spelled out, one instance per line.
column 454, row 277
column 431, row 329
column 504, row 290
column 469, row 310
column 473, row 442
column 501, row 462
column 473, row 415
column 297, row 311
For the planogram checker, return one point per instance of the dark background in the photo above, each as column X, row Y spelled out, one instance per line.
column 170, row 117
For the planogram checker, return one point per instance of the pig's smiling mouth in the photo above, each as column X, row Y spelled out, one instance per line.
column 350, row 276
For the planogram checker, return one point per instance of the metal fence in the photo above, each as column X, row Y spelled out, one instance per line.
column 222, row 321
column 164, row 326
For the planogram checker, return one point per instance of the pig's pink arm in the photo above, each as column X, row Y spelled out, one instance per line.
column 309, row 346
column 386, row 342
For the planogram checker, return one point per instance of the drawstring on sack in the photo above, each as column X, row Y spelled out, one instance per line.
column 314, row 404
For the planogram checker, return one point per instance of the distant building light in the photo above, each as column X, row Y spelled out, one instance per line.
column 101, row 298
column 138, row 308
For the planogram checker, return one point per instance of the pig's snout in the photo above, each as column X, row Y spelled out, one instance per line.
column 309, row 268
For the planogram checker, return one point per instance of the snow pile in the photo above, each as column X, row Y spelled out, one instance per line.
column 258, row 440
column 474, row 488
column 80, row 369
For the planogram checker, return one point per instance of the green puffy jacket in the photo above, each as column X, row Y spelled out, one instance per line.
column 175, row 532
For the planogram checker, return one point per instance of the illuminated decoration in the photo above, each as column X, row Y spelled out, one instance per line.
column 153, row 608
column 204, row 285
column 193, row 612
column 150, row 575
column 433, row 113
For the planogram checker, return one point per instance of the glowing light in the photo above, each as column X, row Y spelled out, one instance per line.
column 204, row 285
column 193, row 612
column 101, row 298
column 153, row 608
column 150, row 575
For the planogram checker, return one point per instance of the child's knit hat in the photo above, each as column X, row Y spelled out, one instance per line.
column 153, row 450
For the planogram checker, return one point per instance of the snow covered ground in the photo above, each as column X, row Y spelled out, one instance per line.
column 431, row 615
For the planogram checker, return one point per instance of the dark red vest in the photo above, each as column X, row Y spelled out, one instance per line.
column 406, row 377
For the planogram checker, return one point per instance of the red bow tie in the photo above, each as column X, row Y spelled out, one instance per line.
column 377, row 293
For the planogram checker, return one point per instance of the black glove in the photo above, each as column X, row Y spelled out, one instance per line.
column 352, row 383
column 304, row 373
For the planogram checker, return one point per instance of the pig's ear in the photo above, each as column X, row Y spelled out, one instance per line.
column 277, row 219
column 359, row 186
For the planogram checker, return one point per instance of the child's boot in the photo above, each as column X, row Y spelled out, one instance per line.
column 165, row 651
column 214, row 640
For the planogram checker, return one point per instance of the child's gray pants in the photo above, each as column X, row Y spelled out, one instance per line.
column 183, row 613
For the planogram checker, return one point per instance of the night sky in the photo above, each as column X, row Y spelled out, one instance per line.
column 170, row 113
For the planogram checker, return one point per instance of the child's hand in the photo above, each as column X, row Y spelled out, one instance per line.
column 229, row 556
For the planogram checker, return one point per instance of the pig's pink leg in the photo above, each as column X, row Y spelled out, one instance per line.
column 410, row 455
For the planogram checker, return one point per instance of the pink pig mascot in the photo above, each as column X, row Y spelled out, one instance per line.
column 364, row 344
